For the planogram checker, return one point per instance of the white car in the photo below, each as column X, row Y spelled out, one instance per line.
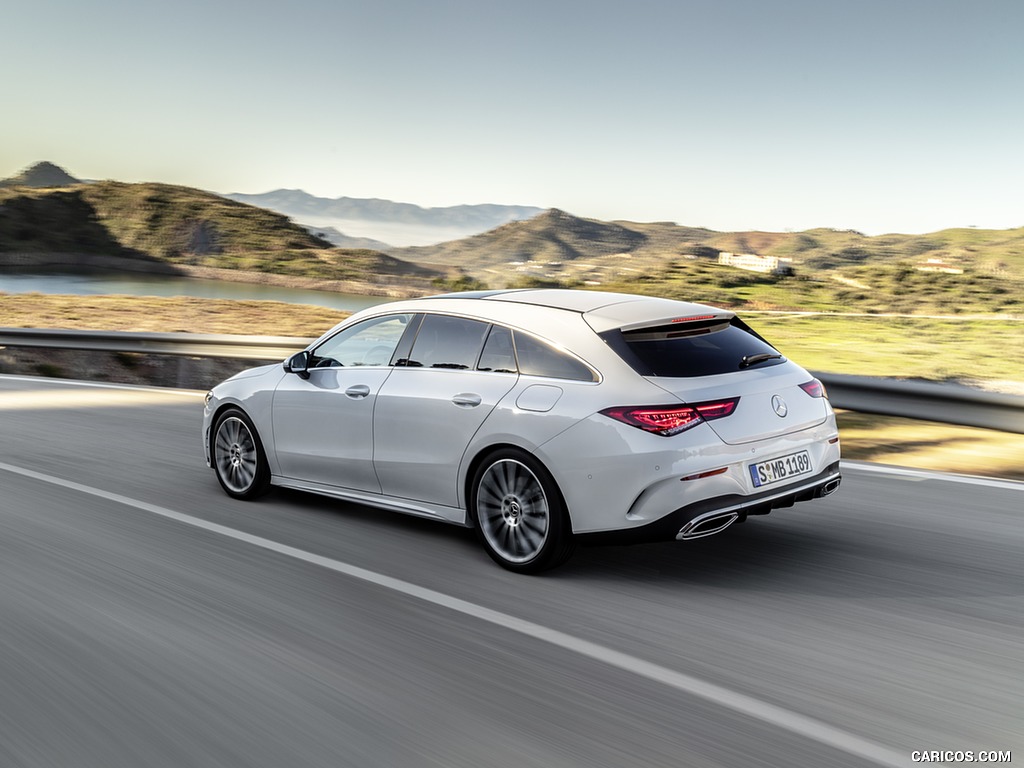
column 538, row 417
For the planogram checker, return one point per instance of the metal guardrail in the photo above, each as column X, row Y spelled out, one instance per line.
column 188, row 344
column 925, row 400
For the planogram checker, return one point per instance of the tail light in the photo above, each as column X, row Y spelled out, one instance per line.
column 814, row 388
column 667, row 420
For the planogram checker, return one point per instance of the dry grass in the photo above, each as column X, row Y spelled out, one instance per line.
column 927, row 445
column 166, row 315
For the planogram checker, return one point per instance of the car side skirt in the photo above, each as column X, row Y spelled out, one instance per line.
column 446, row 514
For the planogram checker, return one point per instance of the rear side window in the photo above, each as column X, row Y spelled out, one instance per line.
column 447, row 342
column 539, row 359
column 499, row 355
column 694, row 349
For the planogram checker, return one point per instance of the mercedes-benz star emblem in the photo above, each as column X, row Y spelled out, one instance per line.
column 780, row 407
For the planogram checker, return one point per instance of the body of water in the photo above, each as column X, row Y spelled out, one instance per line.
column 146, row 285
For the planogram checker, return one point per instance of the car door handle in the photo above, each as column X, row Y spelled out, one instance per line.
column 357, row 391
column 467, row 399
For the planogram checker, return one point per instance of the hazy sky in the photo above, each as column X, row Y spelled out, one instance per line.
column 901, row 115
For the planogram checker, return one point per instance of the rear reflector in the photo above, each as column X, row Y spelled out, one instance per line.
column 814, row 388
column 698, row 476
column 667, row 420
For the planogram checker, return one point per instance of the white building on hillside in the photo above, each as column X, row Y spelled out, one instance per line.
column 755, row 263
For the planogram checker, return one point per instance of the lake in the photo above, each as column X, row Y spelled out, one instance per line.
column 145, row 285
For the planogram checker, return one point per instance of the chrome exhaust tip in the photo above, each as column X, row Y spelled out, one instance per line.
column 829, row 488
column 707, row 525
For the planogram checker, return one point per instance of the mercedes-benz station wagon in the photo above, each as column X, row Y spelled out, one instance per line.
column 537, row 417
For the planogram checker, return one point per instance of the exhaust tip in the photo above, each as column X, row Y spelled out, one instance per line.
column 707, row 525
column 829, row 488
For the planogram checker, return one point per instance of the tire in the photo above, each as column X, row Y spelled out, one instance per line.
column 518, row 512
column 238, row 456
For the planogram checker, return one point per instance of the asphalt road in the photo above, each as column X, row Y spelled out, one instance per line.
column 148, row 620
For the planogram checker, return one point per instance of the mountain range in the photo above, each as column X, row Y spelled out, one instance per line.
column 396, row 224
column 950, row 271
column 347, row 222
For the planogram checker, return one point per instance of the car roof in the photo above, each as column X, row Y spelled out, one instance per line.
column 601, row 309
column 555, row 298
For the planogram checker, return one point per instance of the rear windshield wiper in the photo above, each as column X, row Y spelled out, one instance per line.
column 760, row 357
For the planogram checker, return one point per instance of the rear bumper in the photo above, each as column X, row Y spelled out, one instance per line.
column 710, row 516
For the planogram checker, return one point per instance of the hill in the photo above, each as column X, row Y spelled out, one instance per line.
column 829, row 269
column 41, row 175
column 163, row 226
column 552, row 236
column 401, row 224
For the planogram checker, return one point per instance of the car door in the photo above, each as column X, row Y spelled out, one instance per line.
column 429, row 409
column 323, row 423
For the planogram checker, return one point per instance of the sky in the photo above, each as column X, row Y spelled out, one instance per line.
column 895, row 116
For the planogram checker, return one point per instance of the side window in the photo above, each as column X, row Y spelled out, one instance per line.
column 499, row 355
column 371, row 342
column 447, row 342
column 537, row 358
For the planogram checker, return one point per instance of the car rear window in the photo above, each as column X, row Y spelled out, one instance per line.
column 694, row 349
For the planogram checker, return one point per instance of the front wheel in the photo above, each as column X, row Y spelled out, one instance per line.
column 238, row 457
column 519, row 514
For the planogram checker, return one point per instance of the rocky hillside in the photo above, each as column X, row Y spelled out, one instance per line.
column 176, row 226
column 947, row 272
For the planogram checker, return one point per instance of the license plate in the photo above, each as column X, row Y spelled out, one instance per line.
column 782, row 468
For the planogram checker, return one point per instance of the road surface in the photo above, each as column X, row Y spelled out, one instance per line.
column 146, row 619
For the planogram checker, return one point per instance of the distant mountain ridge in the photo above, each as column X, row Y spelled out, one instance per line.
column 299, row 203
column 398, row 224
column 341, row 240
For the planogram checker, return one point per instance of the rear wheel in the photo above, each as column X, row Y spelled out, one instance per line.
column 519, row 514
column 238, row 456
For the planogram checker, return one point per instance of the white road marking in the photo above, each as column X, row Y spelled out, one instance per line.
column 37, row 399
column 749, row 706
column 46, row 382
column 924, row 474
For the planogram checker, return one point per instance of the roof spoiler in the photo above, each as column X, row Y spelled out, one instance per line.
column 682, row 322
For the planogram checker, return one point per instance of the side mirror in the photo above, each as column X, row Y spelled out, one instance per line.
column 298, row 364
